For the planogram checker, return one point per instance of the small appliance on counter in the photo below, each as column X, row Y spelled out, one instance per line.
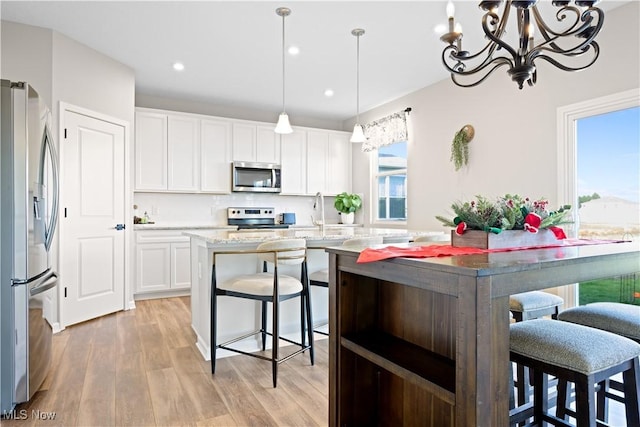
column 253, row 218
column 287, row 218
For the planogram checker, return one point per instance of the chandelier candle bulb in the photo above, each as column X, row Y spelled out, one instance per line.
column 450, row 11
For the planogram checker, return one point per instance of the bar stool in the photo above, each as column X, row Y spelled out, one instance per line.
column 528, row 306
column 617, row 318
column 266, row 287
column 321, row 277
column 579, row 354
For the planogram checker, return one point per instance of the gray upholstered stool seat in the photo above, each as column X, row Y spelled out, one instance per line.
column 579, row 354
column 527, row 306
column 534, row 304
column 621, row 319
column 617, row 318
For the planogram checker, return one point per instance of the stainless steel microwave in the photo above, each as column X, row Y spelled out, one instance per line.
column 256, row 177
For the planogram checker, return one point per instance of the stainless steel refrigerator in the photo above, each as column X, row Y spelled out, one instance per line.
column 28, row 217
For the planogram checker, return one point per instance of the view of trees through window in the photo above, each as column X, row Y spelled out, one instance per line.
column 608, row 166
column 391, row 179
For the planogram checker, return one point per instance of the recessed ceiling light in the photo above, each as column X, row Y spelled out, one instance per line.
column 328, row 93
column 178, row 66
column 293, row 50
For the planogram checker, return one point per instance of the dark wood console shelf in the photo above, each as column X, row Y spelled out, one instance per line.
column 426, row 341
column 424, row 368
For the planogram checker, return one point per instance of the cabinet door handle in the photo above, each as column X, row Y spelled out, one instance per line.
column 120, row 227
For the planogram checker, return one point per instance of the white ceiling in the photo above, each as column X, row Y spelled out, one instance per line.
column 232, row 49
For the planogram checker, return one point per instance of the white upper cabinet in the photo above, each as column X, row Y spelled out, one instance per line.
column 151, row 151
column 167, row 152
column 317, row 148
column 338, row 163
column 184, row 153
column 215, row 149
column 267, row 145
column 294, row 163
column 315, row 160
column 328, row 162
column 244, row 142
column 255, row 143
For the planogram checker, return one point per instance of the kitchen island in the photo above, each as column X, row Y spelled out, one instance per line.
column 426, row 341
column 238, row 316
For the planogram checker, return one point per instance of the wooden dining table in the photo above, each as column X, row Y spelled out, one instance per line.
column 425, row 341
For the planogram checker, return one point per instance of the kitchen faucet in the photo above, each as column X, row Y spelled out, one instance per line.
column 315, row 204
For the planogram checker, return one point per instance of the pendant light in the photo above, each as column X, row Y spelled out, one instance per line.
column 283, row 125
column 358, row 133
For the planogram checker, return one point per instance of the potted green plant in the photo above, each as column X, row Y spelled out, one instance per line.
column 347, row 204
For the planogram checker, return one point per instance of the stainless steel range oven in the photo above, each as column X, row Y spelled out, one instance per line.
column 253, row 218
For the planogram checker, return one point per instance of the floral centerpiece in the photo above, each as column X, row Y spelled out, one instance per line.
column 508, row 212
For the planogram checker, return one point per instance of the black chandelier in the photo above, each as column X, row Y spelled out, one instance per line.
column 581, row 23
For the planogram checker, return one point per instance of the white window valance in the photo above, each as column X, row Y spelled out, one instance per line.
column 386, row 131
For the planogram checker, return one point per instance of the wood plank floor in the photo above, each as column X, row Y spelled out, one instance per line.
column 141, row 368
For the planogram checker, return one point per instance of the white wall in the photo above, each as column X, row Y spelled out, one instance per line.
column 85, row 77
column 27, row 56
column 514, row 149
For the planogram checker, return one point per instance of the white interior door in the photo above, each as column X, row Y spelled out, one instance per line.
column 93, row 249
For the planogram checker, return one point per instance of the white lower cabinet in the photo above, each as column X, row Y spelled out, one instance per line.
column 162, row 262
column 180, row 262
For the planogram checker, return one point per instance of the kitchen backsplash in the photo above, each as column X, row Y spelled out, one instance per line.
column 205, row 209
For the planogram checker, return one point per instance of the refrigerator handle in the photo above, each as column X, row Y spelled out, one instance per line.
column 47, row 283
column 47, row 144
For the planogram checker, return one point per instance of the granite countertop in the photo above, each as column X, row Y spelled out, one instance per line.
column 179, row 226
column 330, row 237
column 182, row 226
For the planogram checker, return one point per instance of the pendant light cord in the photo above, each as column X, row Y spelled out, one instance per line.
column 358, row 79
column 283, row 69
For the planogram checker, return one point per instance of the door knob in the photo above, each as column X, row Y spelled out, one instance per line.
column 120, row 227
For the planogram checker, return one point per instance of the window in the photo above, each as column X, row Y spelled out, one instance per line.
column 390, row 182
column 608, row 177
column 573, row 166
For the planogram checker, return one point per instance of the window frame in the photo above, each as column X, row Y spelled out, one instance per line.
column 375, row 175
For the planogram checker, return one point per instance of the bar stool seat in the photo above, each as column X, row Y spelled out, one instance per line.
column 534, row 304
column 578, row 354
column 528, row 306
column 621, row 319
column 617, row 318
